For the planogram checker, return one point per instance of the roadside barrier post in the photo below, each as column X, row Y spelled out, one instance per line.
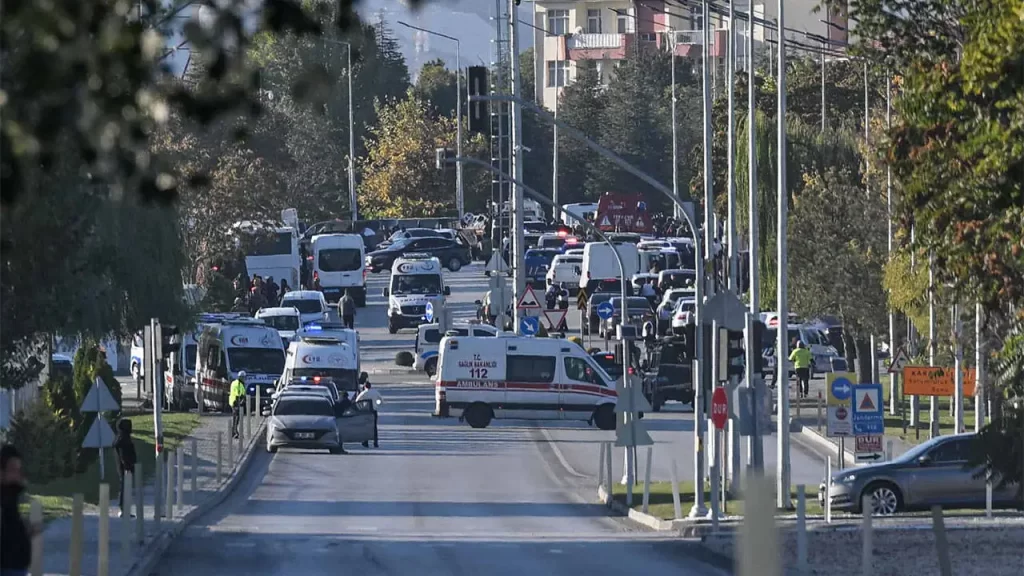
column 801, row 528
column 608, row 471
column 888, row 450
column 259, row 406
column 103, row 554
column 248, row 424
column 169, row 480
column 819, row 411
column 127, row 489
column 941, row 543
column 988, row 495
column 231, row 450
column 179, row 500
column 195, row 471
column 140, row 504
column 35, row 516
column 828, row 487
column 647, row 479
column 716, row 503
column 158, row 474
column 220, row 454
column 676, row 506
column 867, row 536
column 600, row 469
column 75, row 547
column 759, row 537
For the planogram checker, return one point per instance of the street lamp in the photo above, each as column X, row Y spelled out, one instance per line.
column 459, row 196
column 351, row 135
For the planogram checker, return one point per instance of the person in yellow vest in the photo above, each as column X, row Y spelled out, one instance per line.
column 236, row 397
column 801, row 359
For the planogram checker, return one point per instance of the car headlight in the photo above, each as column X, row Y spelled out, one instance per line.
column 847, row 479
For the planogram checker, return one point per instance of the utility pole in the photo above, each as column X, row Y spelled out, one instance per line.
column 755, row 448
column 352, row 198
column 933, row 409
column 555, row 212
column 518, row 280
column 730, row 77
column 958, row 368
column 888, row 203
column 675, row 138
column 980, row 397
column 782, row 346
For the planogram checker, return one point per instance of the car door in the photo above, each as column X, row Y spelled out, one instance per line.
column 356, row 423
column 943, row 478
column 530, row 390
column 580, row 390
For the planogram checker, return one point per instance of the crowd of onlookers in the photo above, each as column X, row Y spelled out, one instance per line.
column 254, row 293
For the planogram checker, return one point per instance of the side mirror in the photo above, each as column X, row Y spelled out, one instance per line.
column 924, row 460
column 266, row 412
column 363, row 377
column 447, row 291
column 385, row 292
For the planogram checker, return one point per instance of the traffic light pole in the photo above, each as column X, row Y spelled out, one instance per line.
column 155, row 376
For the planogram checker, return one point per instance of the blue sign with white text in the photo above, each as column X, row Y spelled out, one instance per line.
column 867, row 411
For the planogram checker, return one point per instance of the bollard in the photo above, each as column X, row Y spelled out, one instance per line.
column 35, row 518
column 799, row 403
column 941, row 543
column 140, row 504
column 715, row 502
column 600, row 469
column 127, row 488
column 220, row 445
column 676, row 507
column 888, row 450
column 988, row 495
column 801, row 528
column 828, row 490
column 179, row 500
column 231, row 452
column 867, row 537
column 158, row 474
column 248, row 424
column 647, row 479
column 103, row 553
column 195, row 471
column 819, row 410
column 169, row 492
column 759, row 537
column 608, row 471
column 75, row 546
column 259, row 408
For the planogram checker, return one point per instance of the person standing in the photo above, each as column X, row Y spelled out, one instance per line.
column 15, row 533
column 801, row 359
column 347, row 310
column 124, row 447
column 236, row 397
column 376, row 400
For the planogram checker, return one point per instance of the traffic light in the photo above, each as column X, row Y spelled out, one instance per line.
column 758, row 338
column 168, row 342
column 479, row 114
column 731, row 357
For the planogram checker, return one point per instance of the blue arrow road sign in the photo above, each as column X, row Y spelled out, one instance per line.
column 529, row 325
column 429, row 315
column 867, row 410
column 605, row 310
column 841, row 388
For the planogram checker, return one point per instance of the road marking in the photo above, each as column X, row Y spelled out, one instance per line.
column 558, row 454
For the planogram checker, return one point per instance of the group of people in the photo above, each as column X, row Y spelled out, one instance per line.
column 257, row 292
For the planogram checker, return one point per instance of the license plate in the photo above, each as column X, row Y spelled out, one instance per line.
column 304, row 435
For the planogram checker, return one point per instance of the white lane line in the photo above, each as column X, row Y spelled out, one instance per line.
column 558, row 454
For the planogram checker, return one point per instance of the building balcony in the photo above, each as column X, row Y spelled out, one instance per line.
column 598, row 46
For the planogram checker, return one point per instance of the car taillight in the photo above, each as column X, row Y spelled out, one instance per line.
column 681, row 317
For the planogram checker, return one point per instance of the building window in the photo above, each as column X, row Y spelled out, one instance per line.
column 558, row 73
column 648, row 37
column 593, row 21
column 696, row 18
column 558, row 22
column 626, row 22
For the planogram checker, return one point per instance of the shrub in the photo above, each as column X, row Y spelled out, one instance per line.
column 49, row 442
column 404, row 358
column 59, row 397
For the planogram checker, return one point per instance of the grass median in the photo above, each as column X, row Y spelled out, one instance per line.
column 947, row 422
column 56, row 496
column 661, row 505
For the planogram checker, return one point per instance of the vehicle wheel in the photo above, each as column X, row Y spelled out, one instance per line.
column 478, row 415
column 361, row 299
column 688, row 398
column 271, row 449
column 604, row 417
column 455, row 264
column 487, row 273
column 885, row 498
column 430, row 367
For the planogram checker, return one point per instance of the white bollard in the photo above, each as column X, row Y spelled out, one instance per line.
column 248, row 423
column 715, row 502
column 600, row 469
column 169, row 482
column 220, row 447
column 820, row 403
column 608, row 471
column 103, row 552
column 867, row 538
column 988, row 495
column 759, row 537
column 140, row 504
column 801, row 528
column 180, row 482
column 127, row 490
column 35, row 518
column 647, row 479
column 828, row 490
column 676, row 506
column 195, row 471
column 941, row 542
column 231, row 453
column 75, row 546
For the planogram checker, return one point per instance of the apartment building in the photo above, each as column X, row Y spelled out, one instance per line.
column 566, row 33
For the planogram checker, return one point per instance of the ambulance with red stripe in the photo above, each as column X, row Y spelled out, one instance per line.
column 526, row 378
column 237, row 345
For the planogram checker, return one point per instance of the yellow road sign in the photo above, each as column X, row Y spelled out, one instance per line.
column 581, row 300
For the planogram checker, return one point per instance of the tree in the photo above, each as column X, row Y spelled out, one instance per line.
column 581, row 106
column 437, row 85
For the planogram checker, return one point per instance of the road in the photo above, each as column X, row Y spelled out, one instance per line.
column 437, row 498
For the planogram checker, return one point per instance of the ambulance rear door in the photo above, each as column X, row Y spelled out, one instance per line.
column 473, row 370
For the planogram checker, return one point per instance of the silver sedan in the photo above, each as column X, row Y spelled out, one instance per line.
column 303, row 422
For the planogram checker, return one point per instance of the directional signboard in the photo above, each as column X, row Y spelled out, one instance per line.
column 429, row 312
column 581, row 300
column 529, row 325
column 631, row 400
column 867, row 413
column 839, row 387
column 935, row 381
column 605, row 310
column 869, row 448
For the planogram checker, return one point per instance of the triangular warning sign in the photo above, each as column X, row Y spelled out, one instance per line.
column 99, row 399
column 528, row 301
column 640, row 223
column 99, row 435
column 866, row 405
column 605, row 222
column 554, row 318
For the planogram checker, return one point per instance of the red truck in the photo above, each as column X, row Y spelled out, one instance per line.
column 623, row 212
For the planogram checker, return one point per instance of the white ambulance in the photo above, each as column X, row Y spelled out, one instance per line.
column 237, row 345
column 332, row 330
column 324, row 357
column 527, row 378
column 416, row 280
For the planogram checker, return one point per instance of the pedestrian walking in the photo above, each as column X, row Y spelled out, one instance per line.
column 15, row 533
column 124, row 447
column 236, row 397
column 801, row 359
column 347, row 310
column 376, row 400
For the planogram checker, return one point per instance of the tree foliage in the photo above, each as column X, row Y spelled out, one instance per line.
column 437, row 86
column 581, row 105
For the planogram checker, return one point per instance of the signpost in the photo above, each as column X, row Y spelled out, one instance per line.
column 719, row 408
column 935, row 381
column 839, row 386
column 530, row 308
column 868, row 418
column 99, row 436
column 429, row 312
column 529, row 301
column 605, row 310
column 899, row 362
column 555, row 318
column 869, row 448
column 529, row 325
column 581, row 300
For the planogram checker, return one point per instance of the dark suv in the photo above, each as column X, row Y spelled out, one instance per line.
column 451, row 254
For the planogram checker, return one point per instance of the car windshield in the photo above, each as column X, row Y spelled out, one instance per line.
column 552, row 242
column 257, row 360
column 303, row 407
column 677, row 279
column 416, row 284
column 282, row 322
column 340, row 260
column 304, row 306
column 569, row 261
column 191, row 354
column 637, row 306
column 673, row 296
column 608, row 363
column 344, row 379
column 686, row 305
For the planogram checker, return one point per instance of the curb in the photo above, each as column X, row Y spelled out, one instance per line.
column 824, row 444
column 687, row 528
column 156, row 548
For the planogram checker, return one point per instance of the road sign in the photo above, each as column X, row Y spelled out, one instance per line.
column 839, row 387
column 719, row 408
column 869, row 448
column 899, row 362
column 529, row 301
column 935, row 381
column 429, row 312
column 581, row 300
column 529, row 325
column 605, row 222
column 555, row 318
column 631, row 399
column 497, row 263
column 99, row 435
column 867, row 414
column 605, row 310
column 99, row 399
column 632, row 434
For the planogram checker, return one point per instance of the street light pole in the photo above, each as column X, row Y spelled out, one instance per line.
column 352, row 201
column 755, row 447
column 730, row 76
column 518, row 249
column 782, row 345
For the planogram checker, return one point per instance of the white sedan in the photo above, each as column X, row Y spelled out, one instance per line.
column 683, row 314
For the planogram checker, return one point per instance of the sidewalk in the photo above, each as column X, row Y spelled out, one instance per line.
column 57, row 535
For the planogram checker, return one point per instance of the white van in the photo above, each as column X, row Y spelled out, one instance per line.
column 522, row 377
column 313, row 356
column 599, row 263
column 285, row 319
column 572, row 213
column 565, row 268
column 311, row 304
column 416, row 279
column 429, row 336
column 340, row 262
column 332, row 330
column 232, row 346
column 180, row 375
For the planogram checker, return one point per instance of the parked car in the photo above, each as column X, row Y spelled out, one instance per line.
column 451, row 254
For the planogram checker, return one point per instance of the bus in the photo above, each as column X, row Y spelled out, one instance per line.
column 270, row 251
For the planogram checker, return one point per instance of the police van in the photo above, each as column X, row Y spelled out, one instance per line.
column 339, row 261
column 416, row 280
column 237, row 345
column 429, row 336
column 324, row 357
column 521, row 377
